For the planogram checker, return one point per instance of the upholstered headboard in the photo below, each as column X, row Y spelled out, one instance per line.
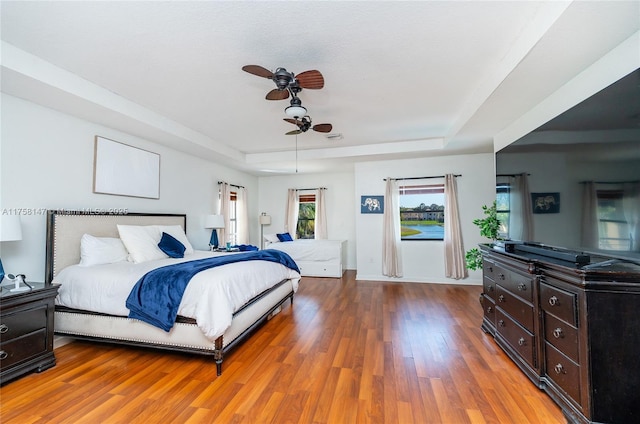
column 65, row 229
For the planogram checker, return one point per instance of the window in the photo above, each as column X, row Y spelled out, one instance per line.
column 306, row 216
column 422, row 212
column 613, row 229
column 503, row 200
column 233, row 214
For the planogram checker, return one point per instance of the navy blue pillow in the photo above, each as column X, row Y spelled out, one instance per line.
column 172, row 247
column 284, row 237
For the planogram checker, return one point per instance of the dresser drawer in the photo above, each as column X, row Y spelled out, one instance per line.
column 22, row 348
column 561, row 335
column 518, row 284
column 489, row 269
column 558, row 302
column 489, row 287
column 15, row 324
column 489, row 307
column 518, row 338
column 519, row 310
column 562, row 371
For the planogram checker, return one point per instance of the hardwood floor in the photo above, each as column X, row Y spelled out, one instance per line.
column 346, row 352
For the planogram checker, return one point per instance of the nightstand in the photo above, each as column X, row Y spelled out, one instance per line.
column 26, row 330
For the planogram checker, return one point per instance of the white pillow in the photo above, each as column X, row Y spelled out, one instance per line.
column 142, row 242
column 101, row 250
column 177, row 232
column 272, row 238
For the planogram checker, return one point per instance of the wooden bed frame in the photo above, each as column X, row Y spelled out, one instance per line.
column 64, row 231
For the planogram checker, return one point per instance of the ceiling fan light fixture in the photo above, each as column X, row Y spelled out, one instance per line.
column 296, row 111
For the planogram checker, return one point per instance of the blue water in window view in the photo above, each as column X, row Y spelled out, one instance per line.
column 427, row 232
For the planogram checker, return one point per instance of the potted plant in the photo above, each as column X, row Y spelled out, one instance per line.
column 489, row 227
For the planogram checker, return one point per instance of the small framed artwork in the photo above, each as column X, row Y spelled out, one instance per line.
column 371, row 204
column 545, row 202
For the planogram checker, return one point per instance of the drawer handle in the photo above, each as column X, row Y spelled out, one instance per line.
column 501, row 298
column 501, row 276
column 501, row 323
column 521, row 341
column 490, row 288
column 4, row 328
column 3, row 354
column 553, row 301
column 559, row 369
column 489, row 309
column 522, row 287
column 557, row 333
column 490, row 269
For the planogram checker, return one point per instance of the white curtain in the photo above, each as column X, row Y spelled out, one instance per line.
column 391, row 254
column 520, row 218
column 321, row 215
column 589, row 223
column 224, row 208
column 454, row 261
column 242, row 217
column 631, row 208
column 291, row 213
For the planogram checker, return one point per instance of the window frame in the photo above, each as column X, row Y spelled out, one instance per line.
column 416, row 189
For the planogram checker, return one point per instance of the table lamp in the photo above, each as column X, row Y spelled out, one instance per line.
column 11, row 230
column 214, row 222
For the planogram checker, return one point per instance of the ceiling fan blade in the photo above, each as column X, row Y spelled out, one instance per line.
column 292, row 121
column 294, row 132
column 258, row 70
column 323, row 128
column 311, row 79
column 276, row 94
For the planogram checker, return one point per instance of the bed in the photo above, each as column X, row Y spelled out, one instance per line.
column 89, row 291
column 315, row 258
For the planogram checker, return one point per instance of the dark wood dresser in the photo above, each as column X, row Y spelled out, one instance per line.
column 26, row 331
column 573, row 329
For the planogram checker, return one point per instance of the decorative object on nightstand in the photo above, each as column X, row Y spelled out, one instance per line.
column 214, row 222
column 10, row 230
column 264, row 220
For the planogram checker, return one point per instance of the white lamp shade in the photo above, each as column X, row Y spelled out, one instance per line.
column 10, row 228
column 214, row 221
column 265, row 219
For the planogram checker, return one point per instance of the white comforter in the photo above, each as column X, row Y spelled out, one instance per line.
column 211, row 297
column 310, row 250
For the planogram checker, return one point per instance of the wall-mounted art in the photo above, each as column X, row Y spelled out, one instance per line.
column 545, row 202
column 372, row 204
column 125, row 170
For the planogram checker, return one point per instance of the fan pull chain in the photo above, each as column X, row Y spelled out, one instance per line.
column 296, row 153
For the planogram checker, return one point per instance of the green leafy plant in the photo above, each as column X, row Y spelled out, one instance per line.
column 489, row 227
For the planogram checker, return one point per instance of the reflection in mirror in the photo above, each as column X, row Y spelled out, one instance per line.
column 575, row 181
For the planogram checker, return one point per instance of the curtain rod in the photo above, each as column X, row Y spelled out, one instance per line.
column 420, row 178
column 511, row 175
column 609, row 182
column 315, row 188
column 232, row 185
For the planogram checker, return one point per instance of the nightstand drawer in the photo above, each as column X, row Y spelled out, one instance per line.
column 16, row 324
column 23, row 348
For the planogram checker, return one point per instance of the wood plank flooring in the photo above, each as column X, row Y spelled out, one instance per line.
column 346, row 352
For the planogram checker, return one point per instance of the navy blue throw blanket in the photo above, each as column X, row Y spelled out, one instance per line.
column 156, row 296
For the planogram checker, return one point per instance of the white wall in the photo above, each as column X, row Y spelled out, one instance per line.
column 47, row 163
column 423, row 261
column 340, row 206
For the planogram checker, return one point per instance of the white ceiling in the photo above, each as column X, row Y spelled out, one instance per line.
column 402, row 79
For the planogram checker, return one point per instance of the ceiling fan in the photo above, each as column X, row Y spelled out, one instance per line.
column 287, row 82
column 304, row 124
